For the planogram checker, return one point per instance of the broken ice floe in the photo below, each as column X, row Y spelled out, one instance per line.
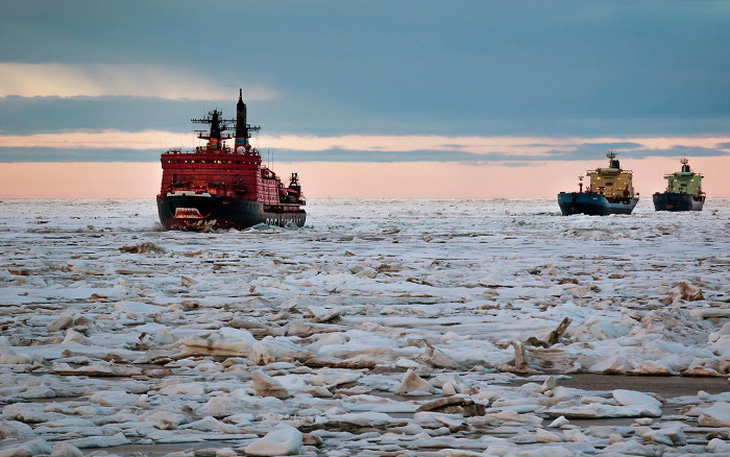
column 398, row 332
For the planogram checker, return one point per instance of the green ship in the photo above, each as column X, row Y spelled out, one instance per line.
column 684, row 191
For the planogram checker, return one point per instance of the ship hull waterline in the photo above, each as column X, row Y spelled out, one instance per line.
column 593, row 204
column 207, row 212
column 672, row 201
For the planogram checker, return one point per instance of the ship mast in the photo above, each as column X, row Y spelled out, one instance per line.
column 612, row 163
column 685, row 167
column 218, row 125
column 243, row 129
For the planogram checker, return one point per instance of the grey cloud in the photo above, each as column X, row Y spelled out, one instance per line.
column 28, row 115
column 677, row 151
column 10, row 155
column 412, row 67
column 589, row 151
column 617, row 146
column 584, row 152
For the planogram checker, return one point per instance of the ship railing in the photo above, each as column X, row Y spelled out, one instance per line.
column 202, row 150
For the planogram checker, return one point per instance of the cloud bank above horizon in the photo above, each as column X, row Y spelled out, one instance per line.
column 113, row 145
column 376, row 81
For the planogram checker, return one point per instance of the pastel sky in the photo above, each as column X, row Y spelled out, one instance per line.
column 366, row 99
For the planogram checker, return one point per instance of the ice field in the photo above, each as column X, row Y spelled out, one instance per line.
column 383, row 327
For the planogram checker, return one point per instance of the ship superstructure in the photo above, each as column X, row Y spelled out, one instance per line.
column 683, row 193
column 216, row 186
column 610, row 191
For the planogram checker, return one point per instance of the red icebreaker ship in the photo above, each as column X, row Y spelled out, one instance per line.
column 219, row 187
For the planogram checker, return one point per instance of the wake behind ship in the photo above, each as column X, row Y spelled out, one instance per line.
column 218, row 187
column 611, row 191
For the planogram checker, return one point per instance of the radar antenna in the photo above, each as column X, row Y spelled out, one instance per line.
column 612, row 162
column 218, row 125
column 685, row 167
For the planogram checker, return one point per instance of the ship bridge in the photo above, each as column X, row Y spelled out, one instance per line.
column 612, row 182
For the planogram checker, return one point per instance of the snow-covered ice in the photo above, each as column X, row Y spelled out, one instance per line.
column 383, row 326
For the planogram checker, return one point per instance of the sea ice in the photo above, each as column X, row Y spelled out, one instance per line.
column 115, row 332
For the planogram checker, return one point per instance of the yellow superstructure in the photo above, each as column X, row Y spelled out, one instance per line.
column 612, row 182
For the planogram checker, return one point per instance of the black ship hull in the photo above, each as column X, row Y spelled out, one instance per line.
column 201, row 212
column 593, row 204
column 678, row 202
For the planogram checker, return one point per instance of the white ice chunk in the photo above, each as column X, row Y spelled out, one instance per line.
column 448, row 389
column 210, row 424
column 670, row 436
column 633, row 398
column 272, row 349
column 596, row 410
column 224, row 405
column 432, row 419
column 543, row 436
column 365, row 419
column 559, row 422
column 286, row 440
column 9, row 356
column 100, row 441
column 30, row 413
column 117, row 398
column 185, row 389
column 413, row 384
column 717, row 415
column 718, row 446
column 166, row 420
column 628, row 447
column 63, row 321
column 27, row 449
column 66, row 450
column 133, row 307
column 266, row 386
column 225, row 342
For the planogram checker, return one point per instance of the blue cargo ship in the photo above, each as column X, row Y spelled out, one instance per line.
column 610, row 191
